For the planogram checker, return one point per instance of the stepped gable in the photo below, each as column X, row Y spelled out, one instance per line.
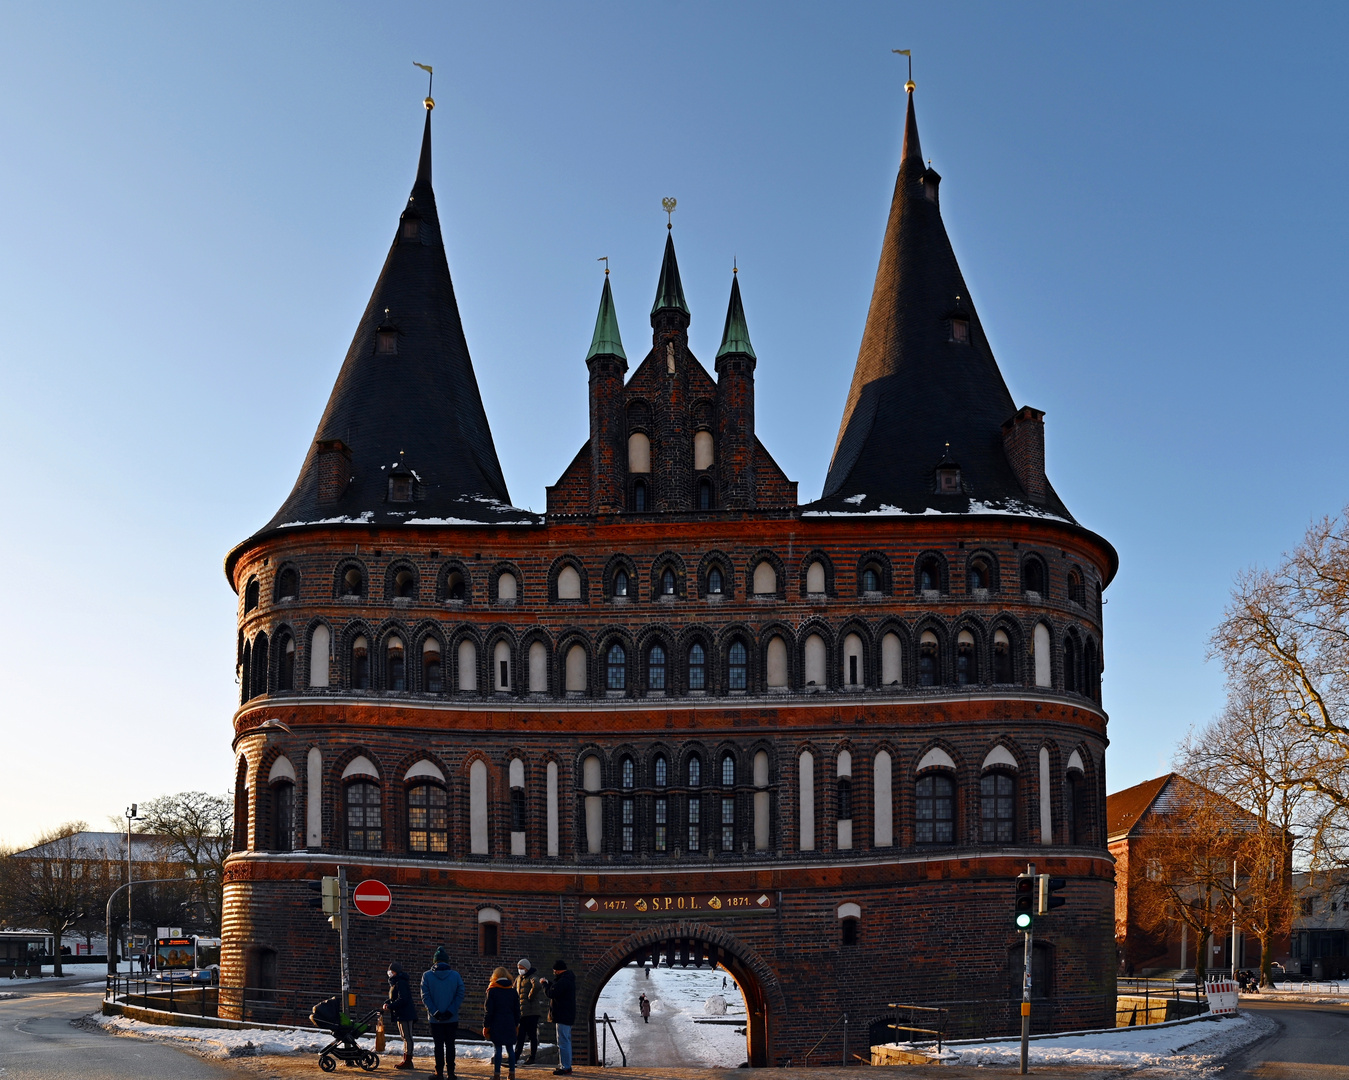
column 926, row 378
column 404, row 438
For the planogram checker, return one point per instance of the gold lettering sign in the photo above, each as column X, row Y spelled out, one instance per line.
column 666, row 905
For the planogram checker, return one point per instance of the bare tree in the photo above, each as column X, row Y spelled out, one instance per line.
column 56, row 885
column 197, row 828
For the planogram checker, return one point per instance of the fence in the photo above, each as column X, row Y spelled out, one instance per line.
column 251, row 1004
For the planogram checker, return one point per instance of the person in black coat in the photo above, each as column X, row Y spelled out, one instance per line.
column 401, row 1009
column 501, row 1019
column 562, row 1012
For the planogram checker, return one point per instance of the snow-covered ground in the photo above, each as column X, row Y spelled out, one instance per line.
column 672, row 1038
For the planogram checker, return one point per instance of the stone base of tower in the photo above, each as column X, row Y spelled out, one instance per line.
column 936, row 931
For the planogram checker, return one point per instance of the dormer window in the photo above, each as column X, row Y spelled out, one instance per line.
column 386, row 341
column 929, row 190
column 412, row 228
column 948, row 478
column 400, row 489
column 960, row 330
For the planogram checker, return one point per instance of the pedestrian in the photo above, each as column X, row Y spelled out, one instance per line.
column 401, row 1009
column 723, row 982
column 501, row 1019
column 644, row 1005
column 562, row 1012
column 442, row 994
column 527, row 989
column 647, row 970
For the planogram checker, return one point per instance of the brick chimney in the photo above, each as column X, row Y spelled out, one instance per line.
column 1023, row 439
column 334, row 469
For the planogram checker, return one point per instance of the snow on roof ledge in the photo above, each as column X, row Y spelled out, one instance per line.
column 1008, row 509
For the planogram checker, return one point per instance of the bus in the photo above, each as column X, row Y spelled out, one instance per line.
column 190, row 958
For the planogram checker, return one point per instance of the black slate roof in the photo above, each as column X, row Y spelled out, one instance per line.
column 417, row 411
column 915, row 389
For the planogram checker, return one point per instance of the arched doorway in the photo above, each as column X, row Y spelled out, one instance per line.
column 689, row 944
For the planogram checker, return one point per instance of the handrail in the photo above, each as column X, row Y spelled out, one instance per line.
column 939, row 1031
column 606, row 1026
column 827, row 1032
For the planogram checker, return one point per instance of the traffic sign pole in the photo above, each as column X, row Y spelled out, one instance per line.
column 347, row 1001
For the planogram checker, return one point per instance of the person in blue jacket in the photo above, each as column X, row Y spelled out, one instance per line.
column 442, row 994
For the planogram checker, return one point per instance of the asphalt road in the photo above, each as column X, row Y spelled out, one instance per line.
column 39, row 1042
column 1312, row 1043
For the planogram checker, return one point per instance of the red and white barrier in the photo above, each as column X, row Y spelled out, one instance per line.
column 1222, row 997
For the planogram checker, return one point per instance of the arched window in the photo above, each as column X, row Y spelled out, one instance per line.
column 285, row 669
column 395, row 666
column 816, row 655
column 283, row 815
column 997, row 808
column 929, row 574
column 883, row 806
column 737, row 666
column 428, row 819
column 1070, row 683
column 576, row 670
column 655, row 667
column 704, row 494
column 967, row 659
column 455, row 588
column 697, row 667
column 568, row 584
column 621, row 583
column 1077, row 808
column 695, row 771
column 501, row 666
column 252, row 593
column 468, row 666
column 538, row 667
column 591, row 781
column 519, row 806
column 432, row 679
column 365, row 830
column 660, row 770
column 260, row 665
column 892, row 673
column 977, row 577
column 775, row 669
column 669, row 586
column 1033, row 576
column 716, row 583
column 843, row 799
column 1002, row 657
column 935, row 809
column 1075, row 592
column 727, row 770
column 616, row 668
column 765, row 579
column 405, row 585
column 287, row 584
column 478, row 831
column 854, row 670
column 728, row 814
column 806, row 800
column 360, row 663
column 815, row 580
column 763, row 825
column 1044, row 669
column 702, row 450
column 353, row 582
column 1091, row 672
column 508, row 588
column 639, row 496
column 489, row 932
column 871, row 580
column 639, row 453
column 627, row 806
column 319, row 648
column 929, row 660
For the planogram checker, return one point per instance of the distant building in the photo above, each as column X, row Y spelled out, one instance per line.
column 1320, row 940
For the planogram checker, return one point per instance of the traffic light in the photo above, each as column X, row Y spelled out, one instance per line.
column 1024, row 912
column 1046, row 901
column 328, row 898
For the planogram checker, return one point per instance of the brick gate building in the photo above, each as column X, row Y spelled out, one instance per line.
column 679, row 714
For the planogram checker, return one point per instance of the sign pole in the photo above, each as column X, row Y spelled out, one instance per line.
column 347, row 1001
column 1025, row 1007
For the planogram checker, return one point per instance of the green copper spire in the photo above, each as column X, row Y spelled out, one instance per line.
column 735, row 338
column 669, row 290
column 606, row 341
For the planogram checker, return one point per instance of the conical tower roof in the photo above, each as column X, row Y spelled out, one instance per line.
column 669, row 289
column 925, row 376
column 606, row 340
column 406, row 400
column 735, row 337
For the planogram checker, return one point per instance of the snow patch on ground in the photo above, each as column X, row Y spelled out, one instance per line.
column 677, row 996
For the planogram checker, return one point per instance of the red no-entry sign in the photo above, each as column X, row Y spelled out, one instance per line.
column 372, row 897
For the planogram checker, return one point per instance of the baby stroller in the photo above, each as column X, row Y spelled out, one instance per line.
column 327, row 1014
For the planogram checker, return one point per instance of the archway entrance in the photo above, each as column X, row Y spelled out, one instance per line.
column 691, row 945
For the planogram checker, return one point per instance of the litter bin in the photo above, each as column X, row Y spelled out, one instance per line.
column 1318, row 970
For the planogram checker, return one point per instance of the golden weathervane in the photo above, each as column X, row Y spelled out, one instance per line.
column 430, row 102
column 669, row 205
column 909, row 86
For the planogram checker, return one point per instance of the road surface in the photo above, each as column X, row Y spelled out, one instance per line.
column 1312, row 1043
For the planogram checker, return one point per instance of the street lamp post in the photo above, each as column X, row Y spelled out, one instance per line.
column 130, row 816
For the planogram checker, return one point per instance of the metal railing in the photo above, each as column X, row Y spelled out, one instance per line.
column 251, row 1004
column 827, row 1032
column 606, row 1026
column 938, row 1015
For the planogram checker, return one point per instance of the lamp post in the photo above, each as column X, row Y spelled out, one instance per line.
column 130, row 816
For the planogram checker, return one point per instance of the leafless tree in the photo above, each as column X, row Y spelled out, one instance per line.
column 196, row 828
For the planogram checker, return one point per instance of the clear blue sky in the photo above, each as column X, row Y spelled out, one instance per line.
column 1147, row 201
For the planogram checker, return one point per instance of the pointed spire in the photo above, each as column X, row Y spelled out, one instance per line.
column 912, row 148
column 424, row 162
column 735, row 338
column 669, row 290
column 606, row 341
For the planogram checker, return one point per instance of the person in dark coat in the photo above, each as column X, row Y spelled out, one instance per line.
column 644, row 1007
column 530, row 992
column 562, row 1012
column 501, row 1019
column 442, row 994
column 401, row 1009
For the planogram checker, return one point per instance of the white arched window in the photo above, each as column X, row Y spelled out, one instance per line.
column 815, row 579
column 576, row 669
column 313, row 811
column 516, row 775
column 765, row 579
column 507, row 587
column 762, row 802
column 551, row 796
column 538, row 668
column 776, row 666
column 489, row 932
column 843, row 791
column 816, row 655
column 882, row 793
column 639, row 453
column 468, row 665
column 477, row 807
column 590, row 780
column 501, row 666
column 1044, row 670
column 892, row 671
column 702, row 450
column 854, row 672
column 806, row 775
column 320, row 652
column 568, row 584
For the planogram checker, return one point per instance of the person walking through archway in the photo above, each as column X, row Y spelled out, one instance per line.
column 644, row 1006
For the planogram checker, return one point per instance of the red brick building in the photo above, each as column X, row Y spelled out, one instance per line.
column 679, row 714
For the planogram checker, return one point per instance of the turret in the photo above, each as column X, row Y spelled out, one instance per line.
column 735, row 441
column 608, row 438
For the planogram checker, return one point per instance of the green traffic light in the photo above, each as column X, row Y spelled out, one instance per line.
column 1024, row 920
